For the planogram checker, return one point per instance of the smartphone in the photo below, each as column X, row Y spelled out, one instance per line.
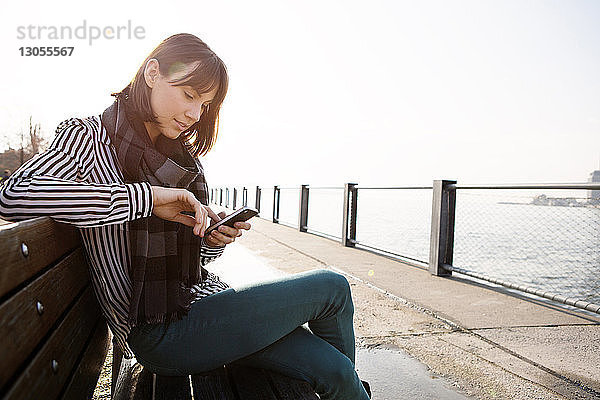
column 243, row 214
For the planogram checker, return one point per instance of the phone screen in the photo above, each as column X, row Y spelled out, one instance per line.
column 243, row 214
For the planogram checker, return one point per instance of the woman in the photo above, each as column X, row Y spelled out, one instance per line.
column 125, row 178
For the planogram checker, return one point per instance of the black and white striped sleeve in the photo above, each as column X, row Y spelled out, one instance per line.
column 209, row 254
column 54, row 184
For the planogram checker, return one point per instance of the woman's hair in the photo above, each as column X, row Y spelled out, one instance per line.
column 172, row 54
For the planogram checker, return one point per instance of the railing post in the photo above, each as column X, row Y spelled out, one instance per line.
column 441, row 244
column 227, row 197
column 276, row 204
column 220, row 196
column 257, row 200
column 234, row 197
column 303, row 220
column 244, row 196
column 349, row 217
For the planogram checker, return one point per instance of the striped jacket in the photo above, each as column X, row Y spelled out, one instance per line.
column 78, row 181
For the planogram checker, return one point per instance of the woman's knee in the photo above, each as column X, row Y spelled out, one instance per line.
column 337, row 287
column 333, row 279
column 338, row 372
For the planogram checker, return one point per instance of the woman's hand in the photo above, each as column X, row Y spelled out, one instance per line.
column 224, row 235
column 170, row 202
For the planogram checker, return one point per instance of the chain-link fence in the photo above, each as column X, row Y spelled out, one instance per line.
column 545, row 240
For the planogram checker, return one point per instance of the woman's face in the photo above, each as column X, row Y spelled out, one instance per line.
column 175, row 107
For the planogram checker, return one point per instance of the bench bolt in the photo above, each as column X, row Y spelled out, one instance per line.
column 24, row 249
column 40, row 308
column 54, row 366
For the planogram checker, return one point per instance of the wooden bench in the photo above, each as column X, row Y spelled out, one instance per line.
column 55, row 341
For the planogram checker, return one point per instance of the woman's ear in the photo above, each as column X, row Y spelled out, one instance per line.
column 151, row 72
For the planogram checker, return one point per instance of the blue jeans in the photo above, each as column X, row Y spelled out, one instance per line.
column 260, row 325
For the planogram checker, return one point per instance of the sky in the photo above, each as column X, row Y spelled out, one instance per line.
column 389, row 93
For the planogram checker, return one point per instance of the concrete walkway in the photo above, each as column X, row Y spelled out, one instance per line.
column 485, row 342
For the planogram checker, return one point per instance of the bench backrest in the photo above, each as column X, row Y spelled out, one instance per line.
column 53, row 339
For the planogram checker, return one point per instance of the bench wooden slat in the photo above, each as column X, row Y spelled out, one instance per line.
column 288, row 388
column 232, row 382
column 262, row 383
column 46, row 242
column 251, row 383
column 212, row 385
column 39, row 380
column 137, row 383
column 172, row 387
column 87, row 372
column 20, row 322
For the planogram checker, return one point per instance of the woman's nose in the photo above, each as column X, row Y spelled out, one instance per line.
column 194, row 112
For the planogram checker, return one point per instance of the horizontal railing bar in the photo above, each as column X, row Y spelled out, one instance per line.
column 322, row 234
column 395, row 187
column 394, row 256
column 595, row 308
column 592, row 186
column 589, row 186
column 388, row 252
column 289, row 225
column 299, row 187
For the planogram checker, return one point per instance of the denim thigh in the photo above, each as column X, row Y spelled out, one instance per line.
column 238, row 322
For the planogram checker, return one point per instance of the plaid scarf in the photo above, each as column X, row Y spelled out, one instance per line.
column 164, row 254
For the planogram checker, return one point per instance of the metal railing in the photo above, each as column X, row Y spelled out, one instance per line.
column 504, row 243
column 530, row 245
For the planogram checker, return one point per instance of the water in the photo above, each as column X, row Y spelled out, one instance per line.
column 547, row 247
column 392, row 374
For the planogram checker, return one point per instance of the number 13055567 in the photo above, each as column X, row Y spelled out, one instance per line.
column 46, row 51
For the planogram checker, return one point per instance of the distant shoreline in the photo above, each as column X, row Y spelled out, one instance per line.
column 580, row 205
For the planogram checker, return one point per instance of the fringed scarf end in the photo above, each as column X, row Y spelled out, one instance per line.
column 162, row 317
